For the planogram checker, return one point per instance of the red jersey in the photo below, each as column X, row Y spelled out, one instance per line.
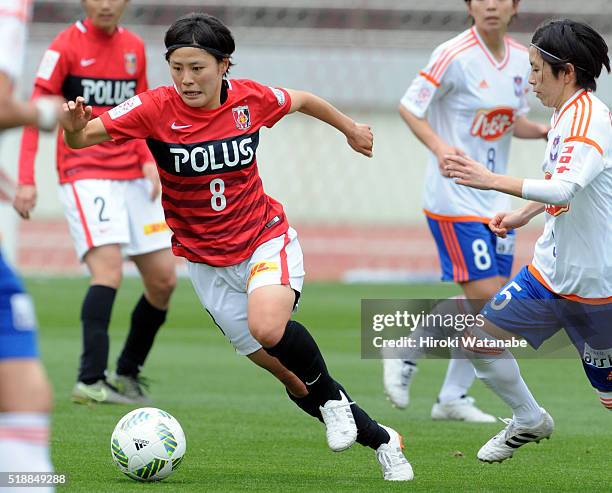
column 106, row 70
column 212, row 194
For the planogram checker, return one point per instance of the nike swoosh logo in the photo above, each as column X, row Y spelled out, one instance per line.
column 174, row 126
column 86, row 62
column 96, row 395
column 314, row 381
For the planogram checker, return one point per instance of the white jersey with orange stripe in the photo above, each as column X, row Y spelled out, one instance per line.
column 573, row 256
column 14, row 15
column 471, row 101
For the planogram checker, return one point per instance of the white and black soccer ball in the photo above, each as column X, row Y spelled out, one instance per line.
column 148, row 444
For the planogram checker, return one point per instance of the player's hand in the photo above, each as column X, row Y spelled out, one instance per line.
column 468, row 172
column 149, row 170
column 441, row 152
column 361, row 139
column 75, row 116
column 25, row 200
column 503, row 222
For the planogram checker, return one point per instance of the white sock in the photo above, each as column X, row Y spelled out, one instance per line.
column 502, row 375
column 24, row 445
column 459, row 378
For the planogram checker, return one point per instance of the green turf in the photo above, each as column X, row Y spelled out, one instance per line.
column 244, row 435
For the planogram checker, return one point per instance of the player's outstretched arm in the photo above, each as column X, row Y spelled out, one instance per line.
column 358, row 135
column 471, row 173
column 42, row 113
column 79, row 131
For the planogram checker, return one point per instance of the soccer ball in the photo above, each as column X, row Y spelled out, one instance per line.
column 148, row 444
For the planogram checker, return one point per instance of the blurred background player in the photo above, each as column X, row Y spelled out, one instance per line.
column 469, row 99
column 244, row 259
column 25, row 393
column 569, row 282
column 110, row 197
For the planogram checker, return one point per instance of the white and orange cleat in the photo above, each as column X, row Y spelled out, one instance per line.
column 394, row 465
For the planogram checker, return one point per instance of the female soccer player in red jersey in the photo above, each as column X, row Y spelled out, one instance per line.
column 244, row 259
column 471, row 99
column 110, row 196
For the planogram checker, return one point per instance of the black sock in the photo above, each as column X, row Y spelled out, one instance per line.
column 146, row 321
column 298, row 352
column 95, row 317
column 369, row 432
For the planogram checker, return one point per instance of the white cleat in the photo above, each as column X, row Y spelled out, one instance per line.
column 462, row 409
column 397, row 377
column 503, row 445
column 339, row 423
column 395, row 466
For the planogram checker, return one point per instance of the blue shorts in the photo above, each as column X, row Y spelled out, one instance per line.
column 527, row 308
column 469, row 250
column 17, row 318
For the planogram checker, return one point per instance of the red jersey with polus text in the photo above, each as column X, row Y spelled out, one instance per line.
column 212, row 195
column 106, row 70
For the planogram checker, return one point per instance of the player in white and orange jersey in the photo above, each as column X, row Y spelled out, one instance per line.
column 25, row 393
column 470, row 99
column 569, row 282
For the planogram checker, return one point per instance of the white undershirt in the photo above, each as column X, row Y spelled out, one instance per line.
column 553, row 192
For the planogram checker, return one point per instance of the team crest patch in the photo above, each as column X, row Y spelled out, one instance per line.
column 130, row 63
column 242, row 117
column 518, row 86
column 554, row 150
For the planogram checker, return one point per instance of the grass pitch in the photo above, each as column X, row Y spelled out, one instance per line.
column 243, row 434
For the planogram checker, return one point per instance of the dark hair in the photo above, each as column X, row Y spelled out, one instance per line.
column 200, row 30
column 565, row 41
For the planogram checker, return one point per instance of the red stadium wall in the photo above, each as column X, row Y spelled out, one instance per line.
column 331, row 252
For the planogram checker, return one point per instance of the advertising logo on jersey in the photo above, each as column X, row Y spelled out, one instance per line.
column 554, row 150
column 242, row 117
column 261, row 267
column 492, row 124
column 518, row 86
column 599, row 358
column 99, row 92
column 130, row 63
column 206, row 158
